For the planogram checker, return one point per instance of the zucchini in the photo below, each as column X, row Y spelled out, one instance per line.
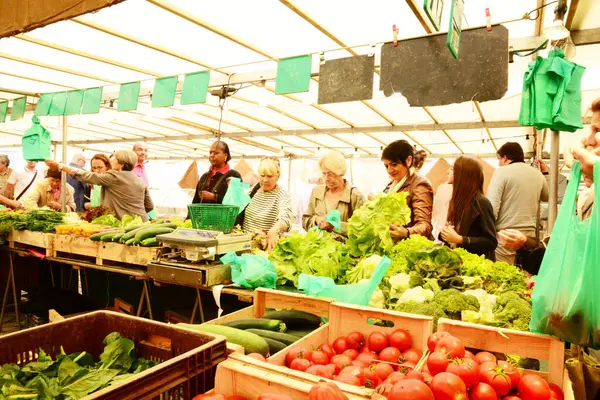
column 295, row 319
column 280, row 337
column 274, row 346
column 116, row 237
column 257, row 323
column 150, row 233
column 108, row 236
column 299, row 332
column 150, row 242
column 251, row 342
column 134, row 227
column 96, row 236
column 130, row 242
column 131, row 234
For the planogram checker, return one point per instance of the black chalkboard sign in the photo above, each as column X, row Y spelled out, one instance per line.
column 346, row 79
column 424, row 71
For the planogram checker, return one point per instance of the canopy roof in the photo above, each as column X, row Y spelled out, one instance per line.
column 141, row 40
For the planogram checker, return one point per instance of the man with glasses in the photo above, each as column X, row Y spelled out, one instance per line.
column 141, row 149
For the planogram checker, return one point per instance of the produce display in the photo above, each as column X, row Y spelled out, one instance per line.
column 267, row 335
column 72, row 376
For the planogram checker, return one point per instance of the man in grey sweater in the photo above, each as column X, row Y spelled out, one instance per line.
column 515, row 192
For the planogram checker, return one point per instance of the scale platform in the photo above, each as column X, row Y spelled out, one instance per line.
column 200, row 245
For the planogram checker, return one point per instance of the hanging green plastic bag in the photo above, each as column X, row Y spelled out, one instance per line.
column 358, row 293
column 251, row 271
column 335, row 219
column 36, row 142
column 565, row 296
column 96, row 195
column 237, row 194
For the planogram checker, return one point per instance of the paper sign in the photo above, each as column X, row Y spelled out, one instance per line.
column 293, row 75
column 3, row 111
column 18, row 108
column 129, row 96
column 74, row 101
column 91, row 101
column 43, row 105
column 59, row 103
column 163, row 94
column 195, row 87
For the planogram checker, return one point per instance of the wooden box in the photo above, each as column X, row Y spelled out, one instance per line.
column 17, row 239
column 98, row 252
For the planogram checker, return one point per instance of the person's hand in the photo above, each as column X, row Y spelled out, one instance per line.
column 323, row 224
column 208, row 196
column 587, row 159
column 511, row 238
column 541, row 165
column 449, row 235
column 398, row 233
column 54, row 205
column 52, row 164
column 272, row 239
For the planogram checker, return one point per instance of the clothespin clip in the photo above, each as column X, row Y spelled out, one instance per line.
column 322, row 57
column 395, row 31
column 488, row 19
column 373, row 48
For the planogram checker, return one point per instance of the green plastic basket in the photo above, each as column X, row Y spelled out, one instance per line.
column 214, row 217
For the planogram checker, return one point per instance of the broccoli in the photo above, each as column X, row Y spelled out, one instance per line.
column 512, row 311
column 452, row 302
column 425, row 308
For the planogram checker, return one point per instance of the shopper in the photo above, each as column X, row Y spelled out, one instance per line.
column 100, row 164
column 82, row 191
column 21, row 182
column 122, row 192
column 336, row 194
column 471, row 222
column 141, row 150
column 515, row 192
column 47, row 193
column 5, row 171
column 586, row 157
column 441, row 202
column 213, row 184
column 270, row 209
column 398, row 159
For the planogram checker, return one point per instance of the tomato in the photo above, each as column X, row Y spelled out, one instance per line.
column 487, row 366
column 348, row 378
column 353, row 370
column 511, row 398
column 367, row 358
column 320, row 370
column 485, row 356
column 412, row 356
column 406, row 367
column 555, row 392
column 383, row 370
column 340, row 345
column 390, row 354
column 319, row 358
column 370, row 378
column 427, row 377
column 447, row 386
column 384, row 389
column 396, row 377
column 465, row 369
column 433, row 339
column 342, row 361
column 497, row 379
column 206, row 396
column 296, row 352
column 326, row 390
column 400, row 339
column 366, row 350
column 483, row 391
column 357, row 337
column 300, row 364
column 533, row 387
column 327, row 349
column 513, row 374
column 333, row 369
column 273, row 396
column 352, row 353
column 358, row 364
column 235, row 397
column 410, row 389
column 437, row 362
column 415, row 375
column 257, row 356
column 470, row 355
column 451, row 346
column 377, row 341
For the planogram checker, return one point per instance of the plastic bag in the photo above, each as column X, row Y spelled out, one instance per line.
column 358, row 293
column 36, row 142
column 237, row 194
column 335, row 219
column 565, row 297
column 251, row 271
column 96, row 195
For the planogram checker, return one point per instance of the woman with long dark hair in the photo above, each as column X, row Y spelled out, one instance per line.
column 471, row 223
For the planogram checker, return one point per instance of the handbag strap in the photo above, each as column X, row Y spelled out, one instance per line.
column 28, row 186
column 350, row 208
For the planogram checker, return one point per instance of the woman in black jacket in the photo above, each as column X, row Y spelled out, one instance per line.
column 471, row 223
column 213, row 185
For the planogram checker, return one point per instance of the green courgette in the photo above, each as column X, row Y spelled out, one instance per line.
column 130, row 242
column 257, row 323
column 108, row 236
column 131, row 234
column 96, row 236
column 150, row 233
column 134, row 227
column 295, row 319
column 150, row 242
column 280, row 337
column 299, row 332
column 274, row 345
column 251, row 342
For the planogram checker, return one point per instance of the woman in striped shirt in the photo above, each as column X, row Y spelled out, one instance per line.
column 270, row 210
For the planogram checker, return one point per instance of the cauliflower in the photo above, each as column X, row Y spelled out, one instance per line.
column 378, row 298
column 417, row 294
column 401, row 282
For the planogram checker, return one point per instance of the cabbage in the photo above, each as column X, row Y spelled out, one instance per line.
column 364, row 269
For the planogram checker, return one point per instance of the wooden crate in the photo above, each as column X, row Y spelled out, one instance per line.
column 20, row 239
column 508, row 341
column 99, row 252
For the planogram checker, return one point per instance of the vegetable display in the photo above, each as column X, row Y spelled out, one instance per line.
column 72, row 376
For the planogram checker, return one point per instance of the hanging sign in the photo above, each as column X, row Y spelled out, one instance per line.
column 454, row 30
column 434, row 9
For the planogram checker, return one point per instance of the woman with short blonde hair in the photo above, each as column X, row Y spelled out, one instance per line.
column 335, row 194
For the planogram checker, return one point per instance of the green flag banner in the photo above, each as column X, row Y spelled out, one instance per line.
column 163, row 94
column 43, row 105
column 18, row 108
column 91, row 101
column 59, row 102
column 129, row 96
column 195, row 87
column 74, row 102
column 293, row 75
column 3, row 111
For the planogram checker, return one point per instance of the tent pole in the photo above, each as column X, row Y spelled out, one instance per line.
column 553, row 195
column 63, row 180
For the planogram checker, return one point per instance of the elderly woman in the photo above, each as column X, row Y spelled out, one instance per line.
column 122, row 192
column 47, row 193
column 336, row 194
column 270, row 210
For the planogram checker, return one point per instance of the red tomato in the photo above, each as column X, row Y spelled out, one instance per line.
column 348, row 378
column 352, row 353
column 400, row 339
column 483, row 391
column 320, row 370
column 342, row 361
column 487, row 366
column 296, row 352
column 377, row 341
column 497, row 379
column 390, row 354
column 511, row 398
column 352, row 369
column 437, row 362
column 257, row 356
column 300, row 364
column 359, row 363
column 370, row 378
column 367, row 358
column 384, row 389
column 427, row 377
column 358, row 338
column 533, row 387
column 485, row 356
column 412, row 356
column 340, row 345
column 410, row 389
column 415, row 375
column 447, row 386
column 433, row 339
column 396, row 377
column 451, row 346
column 556, row 392
column 470, row 355
column 327, row 349
column 333, row 369
column 319, row 358
column 513, row 374
column 235, row 397
column 213, row 396
column 383, row 370
column 366, row 350
column 465, row 369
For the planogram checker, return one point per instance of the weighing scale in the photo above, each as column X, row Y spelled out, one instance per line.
column 200, row 245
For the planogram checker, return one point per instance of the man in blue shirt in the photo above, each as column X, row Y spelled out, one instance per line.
column 82, row 190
